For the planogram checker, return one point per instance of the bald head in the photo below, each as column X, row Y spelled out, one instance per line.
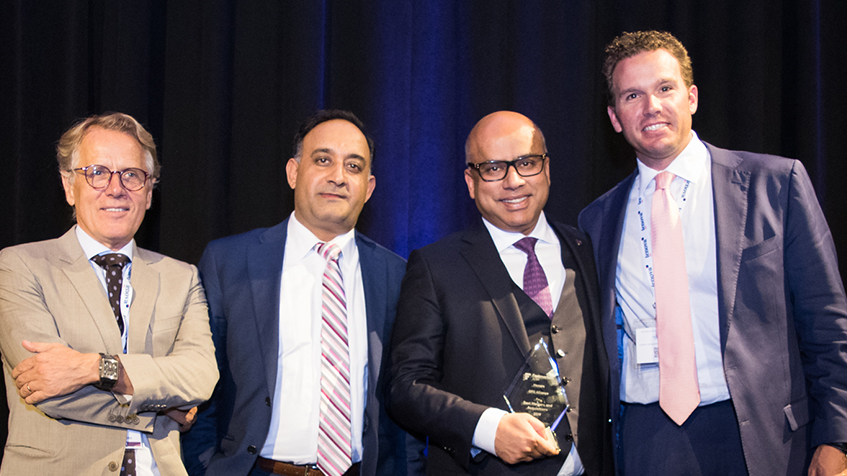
column 497, row 128
column 508, row 142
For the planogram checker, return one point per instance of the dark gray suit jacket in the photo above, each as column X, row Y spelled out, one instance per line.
column 242, row 278
column 782, row 309
column 460, row 339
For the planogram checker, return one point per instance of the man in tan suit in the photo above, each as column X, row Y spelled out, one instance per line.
column 102, row 382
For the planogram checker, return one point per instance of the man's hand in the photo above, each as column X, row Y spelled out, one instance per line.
column 828, row 461
column 54, row 370
column 521, row 437
column 185, row 418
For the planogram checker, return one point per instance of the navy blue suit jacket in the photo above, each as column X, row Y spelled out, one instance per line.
column 782, row 309
column 242, row 275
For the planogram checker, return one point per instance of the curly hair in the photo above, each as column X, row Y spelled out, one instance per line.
column 631, row 44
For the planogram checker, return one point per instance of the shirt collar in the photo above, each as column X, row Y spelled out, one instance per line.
column 688, row 165
column 92, row 247
column 504, row 239
column 301, row 240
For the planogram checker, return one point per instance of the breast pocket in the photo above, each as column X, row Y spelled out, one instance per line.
column 761, row 249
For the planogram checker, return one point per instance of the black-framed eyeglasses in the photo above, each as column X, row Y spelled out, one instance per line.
column 496, row 170
column 99, row 177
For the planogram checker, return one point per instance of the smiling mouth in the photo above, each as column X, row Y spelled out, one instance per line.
column 115, row 209
column 655, row 127
column 514, row 200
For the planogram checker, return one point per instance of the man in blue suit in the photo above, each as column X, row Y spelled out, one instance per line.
column 276, row 301
column 762, row 298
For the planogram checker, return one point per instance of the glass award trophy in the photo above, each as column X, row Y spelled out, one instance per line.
column 537, row 389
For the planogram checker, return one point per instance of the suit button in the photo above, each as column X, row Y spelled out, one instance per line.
column 268, row 401
column 113, row 466
column 251, row 449
column 561, row 353
column 555, row 329
column 569, row 437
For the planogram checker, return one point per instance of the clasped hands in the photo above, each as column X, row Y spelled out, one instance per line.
column 57, row 370
column 521, row 437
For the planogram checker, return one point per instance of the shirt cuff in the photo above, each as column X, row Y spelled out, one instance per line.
column 486, row 430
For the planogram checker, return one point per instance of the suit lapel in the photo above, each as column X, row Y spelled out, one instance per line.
column 611, row 232
column 575, row 245
column 145, row 287
column 479, row 251
column 729, row 186
column 374, row 283
column 264, row 270
column 78, row 270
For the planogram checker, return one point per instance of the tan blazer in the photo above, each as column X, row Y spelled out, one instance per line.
column 50, row 293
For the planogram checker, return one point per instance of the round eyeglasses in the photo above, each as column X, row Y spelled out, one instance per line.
column 99, row 177
column 496, row 170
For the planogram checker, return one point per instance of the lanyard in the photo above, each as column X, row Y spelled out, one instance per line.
column 126, row 299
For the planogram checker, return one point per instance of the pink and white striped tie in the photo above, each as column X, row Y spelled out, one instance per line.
column 334, row 445
column 679, row 391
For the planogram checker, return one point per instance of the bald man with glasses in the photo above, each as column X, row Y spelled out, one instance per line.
column 474, row 305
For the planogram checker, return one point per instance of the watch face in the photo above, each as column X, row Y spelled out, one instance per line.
column 108, row 371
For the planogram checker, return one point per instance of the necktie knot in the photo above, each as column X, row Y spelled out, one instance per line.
column 527, row 245
column 111, row 259
column 329, row 251
column 663, row 180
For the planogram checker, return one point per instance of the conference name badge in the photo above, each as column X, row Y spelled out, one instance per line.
column 646, row 345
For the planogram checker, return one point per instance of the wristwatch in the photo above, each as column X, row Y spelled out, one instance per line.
column 109, row 366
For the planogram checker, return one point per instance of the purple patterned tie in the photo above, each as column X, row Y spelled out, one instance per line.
column 334, row 434
column 534, row 280
column 114, row 264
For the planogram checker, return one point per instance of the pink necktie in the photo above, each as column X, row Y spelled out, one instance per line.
column 534, row 280
column 334, row 445
column 679, row 392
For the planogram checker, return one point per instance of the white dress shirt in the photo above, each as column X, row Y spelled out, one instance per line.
column 293, row 433
column 549, row 253
column 692, row 189
column 145, row 465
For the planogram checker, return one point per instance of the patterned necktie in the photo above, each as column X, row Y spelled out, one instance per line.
column 114, row 264
column 534, row 280
column 679, row 391
column 128, row 465
column 334, row 445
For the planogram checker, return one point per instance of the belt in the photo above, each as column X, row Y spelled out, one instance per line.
column 288, row 469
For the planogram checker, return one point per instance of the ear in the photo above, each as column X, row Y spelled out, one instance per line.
column 614, row 118
column 291, row 172
column 150, row 194
column 692, row 98
column 69, row 189
column 371, row 186
column 471, row 184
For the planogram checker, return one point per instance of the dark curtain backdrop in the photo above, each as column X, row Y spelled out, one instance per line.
column 222, row 85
